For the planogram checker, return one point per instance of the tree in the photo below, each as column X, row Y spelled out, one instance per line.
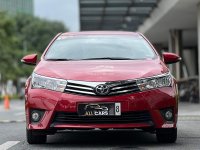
column 36, row 33
column 21, row 35
column 8, row 44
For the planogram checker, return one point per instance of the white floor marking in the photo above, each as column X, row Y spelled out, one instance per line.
column 8, row 145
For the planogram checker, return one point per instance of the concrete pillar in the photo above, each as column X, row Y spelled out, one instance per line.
column 198, row 35
column 175, row 46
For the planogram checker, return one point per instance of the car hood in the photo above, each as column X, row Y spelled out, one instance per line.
column 101, row 70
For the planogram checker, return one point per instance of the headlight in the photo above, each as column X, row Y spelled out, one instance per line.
column 164, row 80
column 42, row 82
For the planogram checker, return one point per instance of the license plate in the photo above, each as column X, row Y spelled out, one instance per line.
column 99, row 109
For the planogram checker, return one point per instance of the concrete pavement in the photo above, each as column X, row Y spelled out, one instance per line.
column 16, row 112
column 13, row 134
column 189, row 111
column 188, row 139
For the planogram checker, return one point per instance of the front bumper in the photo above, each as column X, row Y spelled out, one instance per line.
column 52, row 102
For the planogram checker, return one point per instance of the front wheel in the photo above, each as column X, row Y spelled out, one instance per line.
column 34, row 138
column 166, row 135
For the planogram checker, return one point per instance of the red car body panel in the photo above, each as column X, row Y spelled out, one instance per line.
column 100, row 71
column 51, row 101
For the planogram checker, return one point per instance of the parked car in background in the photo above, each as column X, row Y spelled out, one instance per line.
column 102, row 80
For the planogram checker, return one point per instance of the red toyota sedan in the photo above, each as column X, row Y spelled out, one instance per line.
column 101, row 80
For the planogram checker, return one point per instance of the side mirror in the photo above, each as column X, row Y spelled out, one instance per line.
column 170, row 58
column 29, row 59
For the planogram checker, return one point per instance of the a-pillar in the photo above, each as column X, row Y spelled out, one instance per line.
column 175, row 46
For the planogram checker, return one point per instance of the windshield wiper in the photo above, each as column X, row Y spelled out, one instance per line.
column 98, row 58
column 109, row 58
column 59, row 59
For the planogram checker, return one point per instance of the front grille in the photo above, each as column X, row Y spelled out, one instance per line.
column 128, row 117
column 88, row 88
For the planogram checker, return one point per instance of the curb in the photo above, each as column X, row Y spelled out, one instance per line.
column 189, row 118
column 11, row 121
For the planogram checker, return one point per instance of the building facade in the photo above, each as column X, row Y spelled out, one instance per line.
column 17, row 6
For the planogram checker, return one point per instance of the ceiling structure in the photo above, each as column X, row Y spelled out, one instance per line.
column 169, row 15
column 114, row 14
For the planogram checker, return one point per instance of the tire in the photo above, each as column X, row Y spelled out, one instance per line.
column 166, row 135
column 35, row 139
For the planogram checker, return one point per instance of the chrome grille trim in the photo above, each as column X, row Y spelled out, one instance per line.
column 84, row 83
column 123, row 87
column 122, row 92
column 85, row 88
column 88, row 88
column 80, row 92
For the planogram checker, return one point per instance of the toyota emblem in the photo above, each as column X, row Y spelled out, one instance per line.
column 102, row 89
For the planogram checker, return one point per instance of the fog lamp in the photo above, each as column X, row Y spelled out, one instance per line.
column 36, row 115
column 167, row 114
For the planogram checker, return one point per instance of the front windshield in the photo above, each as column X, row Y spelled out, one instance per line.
column 99, row 47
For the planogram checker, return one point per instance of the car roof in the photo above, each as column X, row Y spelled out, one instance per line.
column 100, row 33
